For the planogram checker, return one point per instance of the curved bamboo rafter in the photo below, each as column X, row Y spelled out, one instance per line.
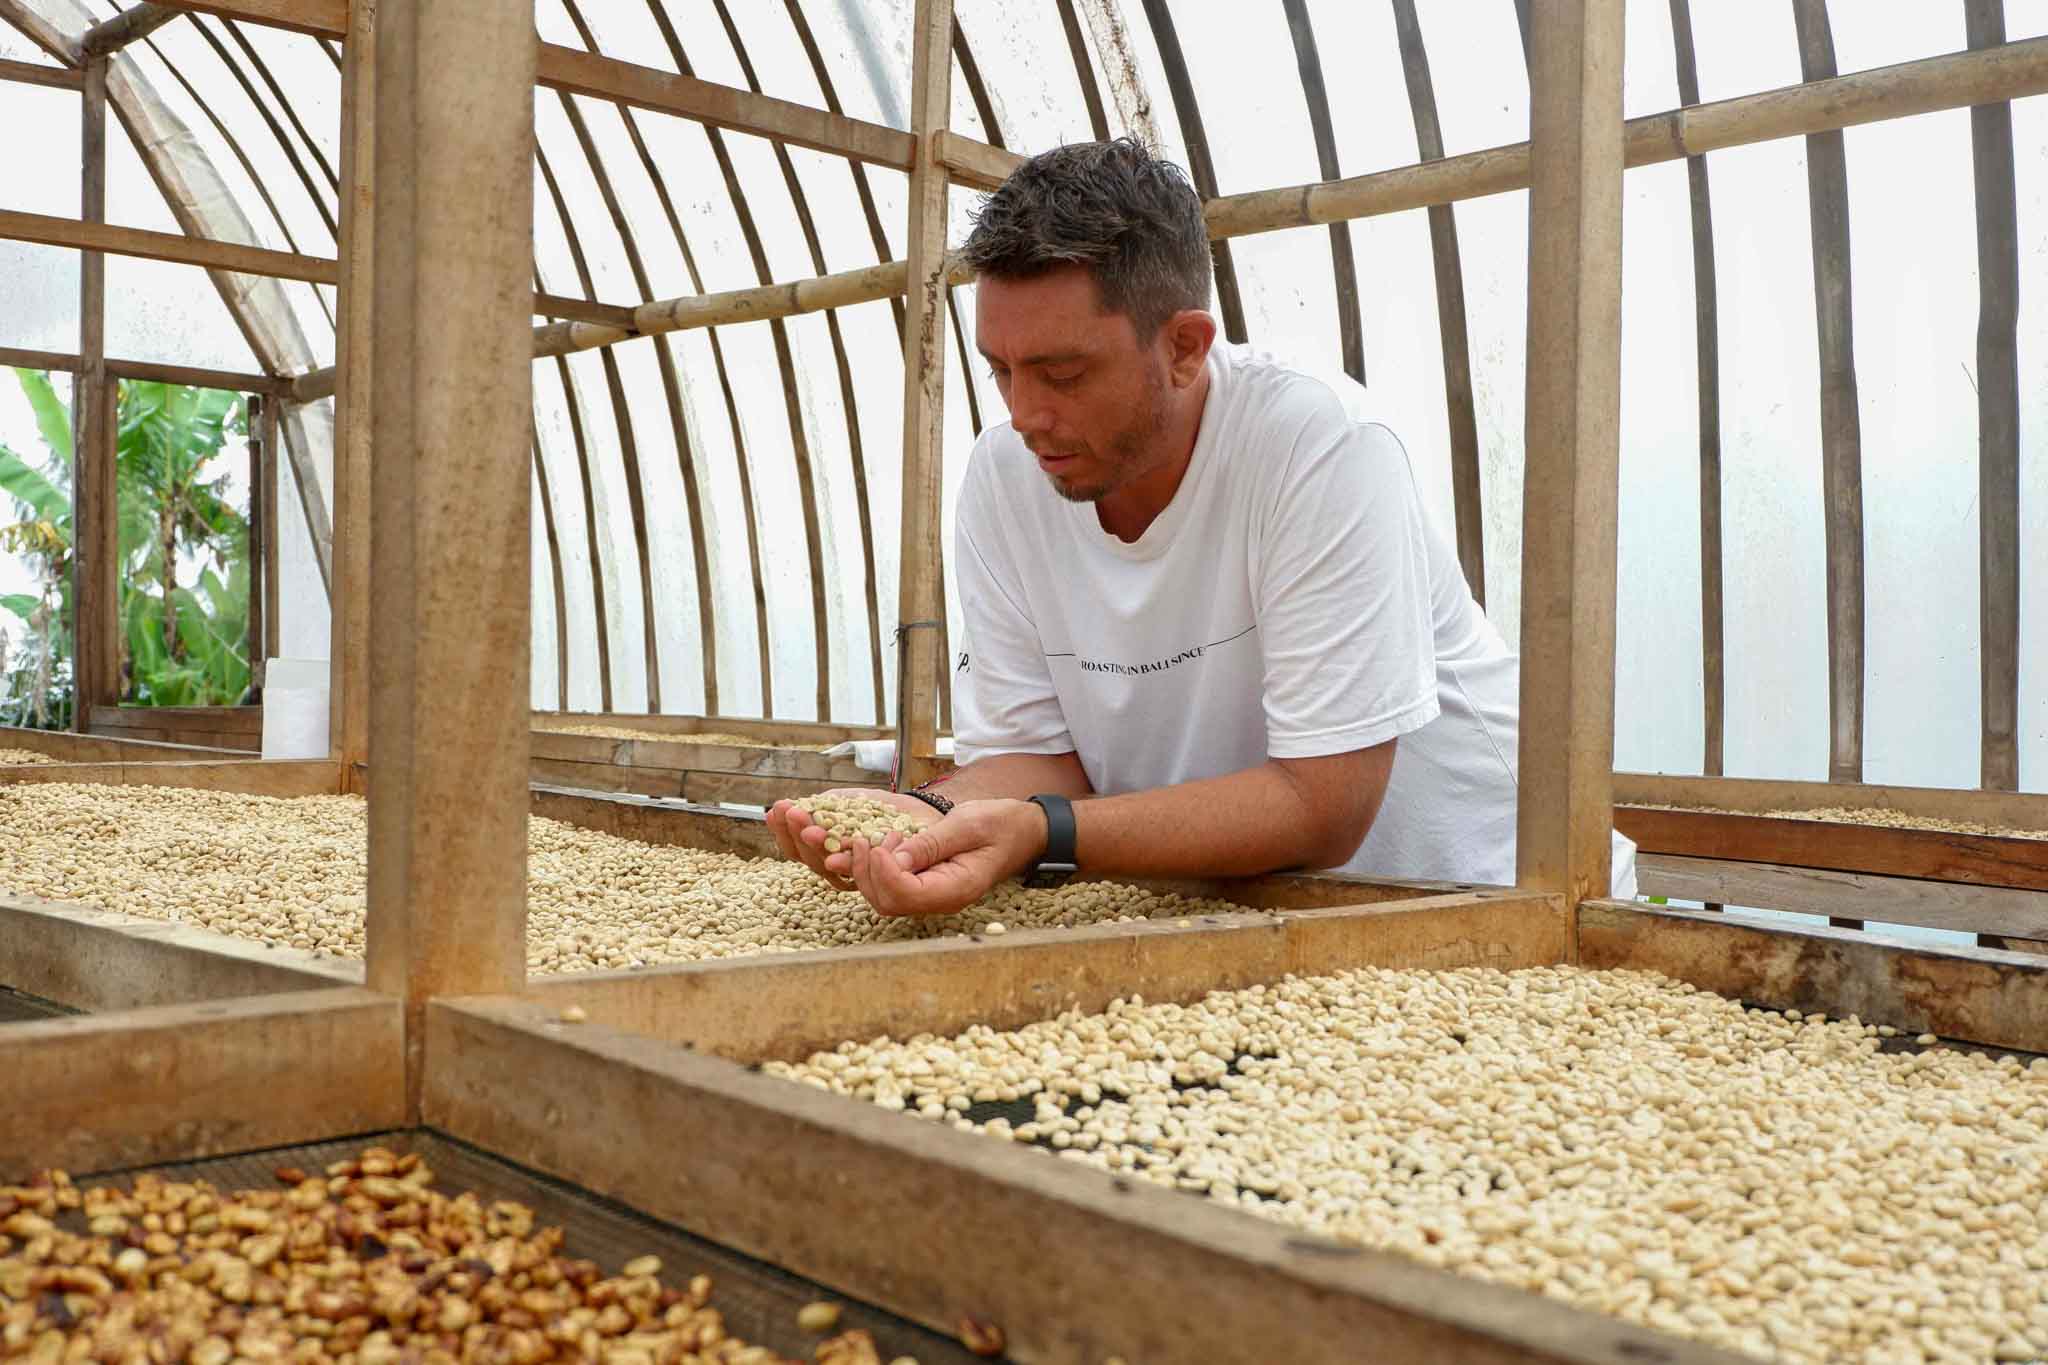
column 1084, row 70
column 1713, row 646
column 547, row 519
column 1350, row 330
column 1201, row 166
column 1467, row 498
column 629, row 448
column 284, row 102
column 241, row 155
column 792, row 400
column 1841, row 435
column 1998, row 417
column 270, row 120
column 848, row 396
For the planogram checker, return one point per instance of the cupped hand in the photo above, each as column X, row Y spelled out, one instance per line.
column 951, row 863
column 802, row 839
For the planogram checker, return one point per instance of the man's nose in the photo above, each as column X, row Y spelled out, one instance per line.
column 1029, row 412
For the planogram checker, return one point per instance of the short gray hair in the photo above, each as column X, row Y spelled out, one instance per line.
column 1130, row 217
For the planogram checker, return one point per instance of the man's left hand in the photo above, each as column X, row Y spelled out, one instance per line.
column 953, row 863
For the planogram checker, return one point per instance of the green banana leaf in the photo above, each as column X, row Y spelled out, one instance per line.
column 53, row 417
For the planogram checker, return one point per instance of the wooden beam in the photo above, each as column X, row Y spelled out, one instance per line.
column 1763, row 796
column 1571, row 482
column 92, row 237
column 132, row 25
column 348, row 594
column 257, row 550
column 921, row 603
column 722, row 106
column 68, row 747
column 273, row 591
column 98, row 960
column 790, row 1004
column 450, row 366
column 1977, row 995
column 108, row 1091
column 1859, row 896
column 237, row 381
column 582, row 310
column 253, row 777
column 96, row 562
column 1978, row 859
column 611, row 1111
column 320, row 18
column 1841, row 437
column 35, row 73
column 977, row 165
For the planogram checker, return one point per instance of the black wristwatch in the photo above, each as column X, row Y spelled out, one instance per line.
column 1056, row 864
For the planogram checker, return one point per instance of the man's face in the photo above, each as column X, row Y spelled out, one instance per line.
column 1089, row 400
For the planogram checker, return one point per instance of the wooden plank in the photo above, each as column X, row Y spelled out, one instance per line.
column 650, row 822
column 1852, row 895
column 1998, row 416
column 1571, row 480
column 35, row 73
column 1827, row 176
column 787, row 1005
column 722, row 106
column 237, row 720
column 675, row 723
column 450, row 502
column 99, row 960
column 606, row 777
column 176, row 1082
column 68, row 747
column 1978, row 995
column 40, row 31
column 921, row 603
column 1469, row 507
column 2012, row 810
column 90, row 236
column 257, row 548
column 1981, row 860
column 273, row 581
column 504, row 1075
column 96, row 564
column 348, row 593
column 1707, row 344
column 130, row 26
column 252, row 777
column 973, row 163
column 560, row 586
column 320, row 18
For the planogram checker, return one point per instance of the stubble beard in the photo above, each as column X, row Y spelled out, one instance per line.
column 1132, row 451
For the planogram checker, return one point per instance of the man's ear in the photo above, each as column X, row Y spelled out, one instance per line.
column 1189, row 334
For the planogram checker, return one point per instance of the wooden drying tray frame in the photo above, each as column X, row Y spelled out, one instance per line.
column 1745, row 849
column 68, row 746
column 662, row 1067
column 668, row 764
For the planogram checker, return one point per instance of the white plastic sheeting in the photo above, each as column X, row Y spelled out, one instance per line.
column 1913, row 263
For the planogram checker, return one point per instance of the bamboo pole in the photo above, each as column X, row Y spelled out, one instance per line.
column 131, row 25
column 1201, row 166
column 1343, row 264
column 348, row 697
column 1707, row 328
column 1084, row 70
column 1468, row 503
column 1998, row 406
column 266, row 488
column 96, row 564
column 260, row 536
column 1571, row 482
column 1957, row 80
column 1841, row 436
column 921, row 602
column 451, row 547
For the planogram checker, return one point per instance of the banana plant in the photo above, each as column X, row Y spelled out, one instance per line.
column 182, row 645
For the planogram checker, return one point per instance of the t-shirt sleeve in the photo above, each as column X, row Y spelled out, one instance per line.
column 1343, row 594
column 1004, row 701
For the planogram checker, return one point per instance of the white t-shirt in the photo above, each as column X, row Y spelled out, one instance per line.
column 1291, row 601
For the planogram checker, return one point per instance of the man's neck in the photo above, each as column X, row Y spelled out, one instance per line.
column 1129, row 511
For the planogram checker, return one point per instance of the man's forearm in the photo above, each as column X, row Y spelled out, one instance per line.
column 1015, row 776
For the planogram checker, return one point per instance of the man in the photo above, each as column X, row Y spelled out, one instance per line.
column 1208, row 629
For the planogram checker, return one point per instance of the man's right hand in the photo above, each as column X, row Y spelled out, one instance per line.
column 802, row 839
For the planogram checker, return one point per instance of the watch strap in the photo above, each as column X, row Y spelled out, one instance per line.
column 1060, row 832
